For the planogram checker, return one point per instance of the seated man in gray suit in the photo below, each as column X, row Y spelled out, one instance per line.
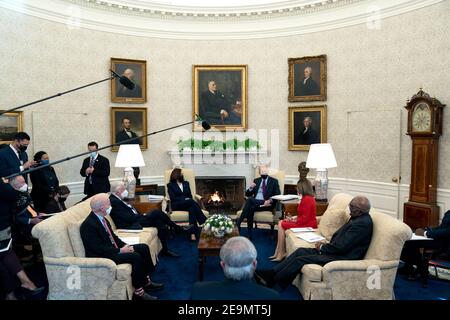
column 238, row 261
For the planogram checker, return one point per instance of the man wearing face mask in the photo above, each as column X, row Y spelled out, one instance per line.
column 350, row 242
column 127, row 217
column 26, row 216
column 259, row 198
column 101, row 242
column 96, row 171
column 14, row 159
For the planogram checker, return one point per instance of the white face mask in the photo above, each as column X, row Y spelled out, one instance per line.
column 108, row 211
column 24, row 188
column 124, row 194
column 93, row 154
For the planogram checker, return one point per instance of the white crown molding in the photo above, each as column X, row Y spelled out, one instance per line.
column 282, row 19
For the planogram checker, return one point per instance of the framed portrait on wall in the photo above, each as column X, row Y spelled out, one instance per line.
column 308, row 78
column 10, row 124
column 128, row 123
column 307, row 125
column 220, row 96
column 136, row 71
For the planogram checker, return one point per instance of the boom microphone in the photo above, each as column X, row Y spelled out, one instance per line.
column 127, row 83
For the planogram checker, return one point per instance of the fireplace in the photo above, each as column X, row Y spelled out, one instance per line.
column 221, row 194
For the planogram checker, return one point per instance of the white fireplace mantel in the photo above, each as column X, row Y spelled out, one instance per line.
column 209, row 163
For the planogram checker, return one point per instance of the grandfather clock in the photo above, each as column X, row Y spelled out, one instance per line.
column 424, row 128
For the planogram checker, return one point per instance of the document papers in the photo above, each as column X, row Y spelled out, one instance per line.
column 285, row 197
column 307, row 229
column 310, row 237
column 155, row 198
column 416, row 237
column 130, row 240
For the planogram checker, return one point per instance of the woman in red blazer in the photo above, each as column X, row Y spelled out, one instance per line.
column 306, row 217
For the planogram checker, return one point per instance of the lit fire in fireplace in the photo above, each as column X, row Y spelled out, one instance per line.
column 216, row 198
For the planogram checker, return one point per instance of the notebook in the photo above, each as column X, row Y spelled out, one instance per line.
column 285, row 197
column 130, row 240
column 310, row 237
column 307, row 229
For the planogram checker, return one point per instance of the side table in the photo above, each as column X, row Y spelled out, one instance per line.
column 144, row 205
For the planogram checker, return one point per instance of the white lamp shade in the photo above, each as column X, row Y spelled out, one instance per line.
column 129, row 155
column 321, row 156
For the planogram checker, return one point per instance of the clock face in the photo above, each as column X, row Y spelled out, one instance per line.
column 421, row 117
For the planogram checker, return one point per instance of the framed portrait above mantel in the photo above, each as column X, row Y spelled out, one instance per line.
column 10, row 124
column 128, row 123
column 136, row 71
column 220, row 96
column 308, row 78
column 307, row 125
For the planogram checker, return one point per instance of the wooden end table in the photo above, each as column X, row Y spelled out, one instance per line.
column 209, row 246
column 143, row 205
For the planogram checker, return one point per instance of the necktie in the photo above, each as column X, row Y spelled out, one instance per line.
column 109, row 233
column 91, row 164
column 264, row 188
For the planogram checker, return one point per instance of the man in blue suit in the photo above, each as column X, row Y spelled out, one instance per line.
column 14, row 159
column 238, row 261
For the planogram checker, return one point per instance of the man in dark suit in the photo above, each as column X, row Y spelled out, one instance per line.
column 215, row 107
column 350, row 242
column 14, row 159
column 238, row 261
column 307, row 134
column 307, row 86
column 126, row 133
column 259, row 198
column 438, row 240
column 96, row 170
column 127, row 217
column 124, row 92
column 101, row 242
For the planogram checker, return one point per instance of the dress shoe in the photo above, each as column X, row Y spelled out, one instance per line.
column 278, row 259
column 33, row 292
column 168, row 253
column 154, row 286
column 145, row 296
column 265, row 277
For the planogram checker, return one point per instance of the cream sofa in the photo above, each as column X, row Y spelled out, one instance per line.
column 370, row 278
column 70, row 274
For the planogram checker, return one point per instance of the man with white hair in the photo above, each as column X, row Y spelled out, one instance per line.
column 127, row 217
column 123, row 91
column 259, row 198
column 307, row 86
column 238, row 261
column 101, row 242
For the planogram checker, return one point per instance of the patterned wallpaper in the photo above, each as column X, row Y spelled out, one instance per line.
column 371, row 73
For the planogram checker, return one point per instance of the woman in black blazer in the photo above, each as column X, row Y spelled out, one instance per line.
column 45, row 182
column 181, row 199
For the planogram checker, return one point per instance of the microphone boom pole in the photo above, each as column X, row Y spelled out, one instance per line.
column 205, row 126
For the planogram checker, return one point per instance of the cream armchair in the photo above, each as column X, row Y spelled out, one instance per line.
column 370, row 278
column 268, row 217
column 72, row 276
column 182, row 216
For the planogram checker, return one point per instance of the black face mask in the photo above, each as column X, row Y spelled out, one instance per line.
column 23, row 148
column 264, row 176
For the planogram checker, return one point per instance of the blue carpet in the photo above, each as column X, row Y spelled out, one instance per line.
column 179, row 274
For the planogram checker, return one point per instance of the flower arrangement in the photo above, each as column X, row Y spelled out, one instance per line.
column 214, row 145
column 219, row 225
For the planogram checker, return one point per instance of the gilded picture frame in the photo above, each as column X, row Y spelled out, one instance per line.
column 10, row 124
column 307, row 78
column 136, row 71
column 307, row 125
column 134, row 120
column 220, row 96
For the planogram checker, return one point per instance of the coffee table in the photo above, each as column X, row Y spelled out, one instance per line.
column 209, row 246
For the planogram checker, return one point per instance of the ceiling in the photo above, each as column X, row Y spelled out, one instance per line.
column 202, row 19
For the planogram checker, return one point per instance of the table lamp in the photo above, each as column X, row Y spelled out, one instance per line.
column 129, row 156
column 321, row 157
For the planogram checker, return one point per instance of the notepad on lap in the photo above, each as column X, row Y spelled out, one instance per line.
column 296, row 230
column 285, row 197
column 130, row 240
column 130, row 230
column 310, row 237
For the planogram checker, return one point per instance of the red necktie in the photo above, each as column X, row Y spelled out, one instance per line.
column 109, row 233
column 264, row 188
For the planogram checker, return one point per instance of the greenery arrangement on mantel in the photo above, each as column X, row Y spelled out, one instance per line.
column 214, row 145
